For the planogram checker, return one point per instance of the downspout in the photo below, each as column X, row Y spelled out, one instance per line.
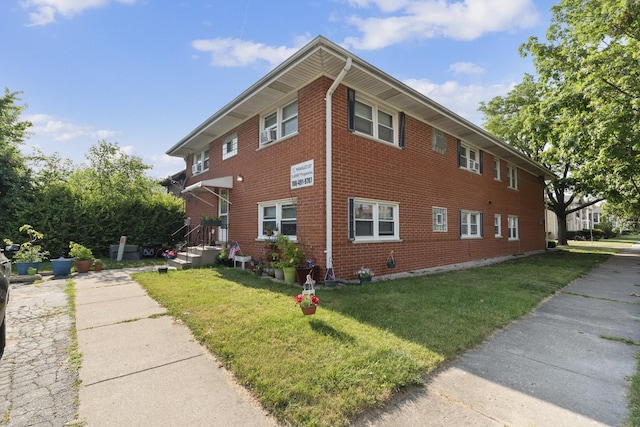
column 328, row 155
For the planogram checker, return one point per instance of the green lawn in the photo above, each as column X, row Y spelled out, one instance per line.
column 365, row 342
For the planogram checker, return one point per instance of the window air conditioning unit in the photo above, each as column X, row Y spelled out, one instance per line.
column 268, row 135
column 196, row 168
column 473, row 165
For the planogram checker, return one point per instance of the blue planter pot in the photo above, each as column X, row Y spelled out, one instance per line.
column 23, row 267
column 62, row 267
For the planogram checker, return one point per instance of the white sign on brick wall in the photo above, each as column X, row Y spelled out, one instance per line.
column 302, row 175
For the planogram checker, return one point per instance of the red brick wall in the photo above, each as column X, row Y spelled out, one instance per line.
column 416, row 177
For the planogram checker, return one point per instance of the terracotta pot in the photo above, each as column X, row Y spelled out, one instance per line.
column 83, row 266
column 309, row 310
column 97, row 267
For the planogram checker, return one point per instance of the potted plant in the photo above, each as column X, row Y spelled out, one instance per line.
column 307, row 303
column 82, row 255
column 291, row 257
column 364, row 275
column 97, row 264
column 29, row 255
column 61, row 266
column 210, row 221
column 259, row 269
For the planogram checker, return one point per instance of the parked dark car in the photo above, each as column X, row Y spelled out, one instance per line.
column 5, row 273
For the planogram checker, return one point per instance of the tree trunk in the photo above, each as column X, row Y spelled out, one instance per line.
column 562, row 227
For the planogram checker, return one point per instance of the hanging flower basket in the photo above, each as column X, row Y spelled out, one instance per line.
column 391, row 261
column 309, row 310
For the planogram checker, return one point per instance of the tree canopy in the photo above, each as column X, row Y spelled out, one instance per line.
column 14, row 173
column 579, row 115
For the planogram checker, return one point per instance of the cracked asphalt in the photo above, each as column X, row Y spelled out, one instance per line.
column 37, row 388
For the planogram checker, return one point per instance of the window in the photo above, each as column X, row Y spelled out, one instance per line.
column 370, row 119
column 512, row 177
column 496, row 169
column 596, row 218
column 372, row 220
column 279, row 123
column 439, row 141
column 469, row 158
column 230, row 146
column 280, row 215
column 200, row 162
column 513, row 227
column 470, row 224
column 497, row 225
column 439, row 219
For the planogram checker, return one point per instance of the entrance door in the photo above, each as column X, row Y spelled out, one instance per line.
column 223, row 213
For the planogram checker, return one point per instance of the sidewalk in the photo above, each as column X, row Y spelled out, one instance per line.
column 550, row 368
column 140, row 368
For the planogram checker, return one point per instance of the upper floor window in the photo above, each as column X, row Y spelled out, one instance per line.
column 496, row 169
column 439, row 218
column 230, row 146
column 439, row 141
column 512, row 177
column 370, row 119
column 469, row 157
column 200, row 162
column 470, row 224
column 280, row 123
column 278, row 215
column 373, row 220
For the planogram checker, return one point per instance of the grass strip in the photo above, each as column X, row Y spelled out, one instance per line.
column 365, row 342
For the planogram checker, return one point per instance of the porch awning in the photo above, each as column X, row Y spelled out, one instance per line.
column 201, row 186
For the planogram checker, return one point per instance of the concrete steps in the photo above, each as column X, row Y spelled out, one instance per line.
column 195, row 257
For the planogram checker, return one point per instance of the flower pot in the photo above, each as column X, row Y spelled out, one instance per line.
column 391, row 264
column 163, row 270
column 289, row 274
column 279, row 274
column 83, row 266
column 97, row 267
column 210, row 222
column 309, row 310
column 330, row 283
column 364, row 279
column 23, row 267
column 62, row 266
column 302, row 274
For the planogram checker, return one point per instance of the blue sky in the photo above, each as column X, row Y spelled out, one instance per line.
column 144, row 73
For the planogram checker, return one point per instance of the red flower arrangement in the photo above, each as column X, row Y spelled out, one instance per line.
column 307, row 300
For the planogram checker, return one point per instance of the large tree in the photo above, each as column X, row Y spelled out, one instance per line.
column 580, row 115
column 14, row 173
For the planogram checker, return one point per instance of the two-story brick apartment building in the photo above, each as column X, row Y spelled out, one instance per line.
column 354, row 164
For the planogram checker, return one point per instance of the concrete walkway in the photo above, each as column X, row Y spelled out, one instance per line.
column 562, row 365
column 141, row 368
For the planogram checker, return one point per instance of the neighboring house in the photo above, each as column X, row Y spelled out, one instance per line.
column 175, row 183
column 354, row 164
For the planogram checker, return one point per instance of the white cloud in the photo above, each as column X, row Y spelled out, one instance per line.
column 49, row 127
column 45, row 11
column 228, row 52
column 465, row 68
column 462, row 100
column 163, row 165
column 424, row 19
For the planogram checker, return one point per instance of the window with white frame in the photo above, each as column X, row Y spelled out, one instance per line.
column 470, row 224
column 230, row 146
column 469, row 158
column 280, row 123
column 512, row 177
column 200, row 162
column 439, row 219
column 373, row 121
column 496, row 169
column 497, row 225
column 513, row 227
column 439, row 141
column 373, row 220
column 280, row 215
column 596, row 218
